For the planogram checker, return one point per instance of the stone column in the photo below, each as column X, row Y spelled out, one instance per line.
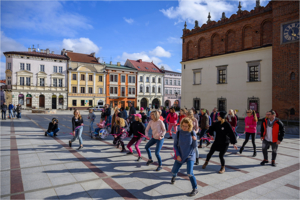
column 94, row 79
column 78, row 80
column 104, row 83
column 86, row 83
column 70, row 89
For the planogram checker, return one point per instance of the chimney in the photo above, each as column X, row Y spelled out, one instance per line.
column 29, row 49
column 47, row 51
column 52, row 52
column 42, row 51
column 93, row 54
column 140, row 60
column 110, row 62
column 33, row 49
column 118, row 64
column 63, row 52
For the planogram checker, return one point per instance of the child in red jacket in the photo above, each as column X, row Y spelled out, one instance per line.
column 172, row 122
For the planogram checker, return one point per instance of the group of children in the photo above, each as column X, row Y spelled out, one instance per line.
column 220, row 127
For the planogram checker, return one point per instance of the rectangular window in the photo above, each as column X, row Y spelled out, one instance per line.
column 9, row 80
column 147, row 79
column 111, row 90
column 100, row 90
column 55, row 69
column 166, row 91
column 54, row 82
column 90, row 77
column 42, row 68
column 28, row 66
column 82, row 77
column 129, row 79
column 123, row 79
column 253, row 73
column 175, row 82
column 133, row 90
column 74, row 102
column 74, row 89
column 111, row 78
column 171, row 91
column 82, row 89
column 90, row 102
column 129, row 90
column 22, row 66
column 141, row 88
column 60, row 70
column 222, row 76
column 21, row 80
column 221, row 104
column 9, row 66
column 197, row 77
column 178, row 82
column 90, row 90
column 42, row 82
column 60, row 82
column 123, row 91
column 141, row 79
column 147, row 89
column 116, row 90
column 170, row 82
column 100, row 79
column 82, row 102
column 153, row 80
column 116, row 78
column 196, row 104
column 159, row 90
column 28, row 81
column 167, row 81
column 74, row 76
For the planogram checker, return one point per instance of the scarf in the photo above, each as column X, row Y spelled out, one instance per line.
column 270, row 124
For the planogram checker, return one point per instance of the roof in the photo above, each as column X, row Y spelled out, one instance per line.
column 145, row 66
column 171, row 72
column 3, row 81
column 40, row 54
column 119, row 67
column 80, row 57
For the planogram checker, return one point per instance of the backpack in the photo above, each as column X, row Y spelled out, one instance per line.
column 177, row 135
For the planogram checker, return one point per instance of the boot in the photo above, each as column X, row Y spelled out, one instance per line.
column 197, row 161
column 254, row 154
column 194, row 192
column 173, row 180
column 204, row 165
column 222, row 170
column 241, row 149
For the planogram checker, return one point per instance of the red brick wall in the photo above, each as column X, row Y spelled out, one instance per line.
column 285, row 94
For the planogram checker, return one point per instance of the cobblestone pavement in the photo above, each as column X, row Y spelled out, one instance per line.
column 37, row 167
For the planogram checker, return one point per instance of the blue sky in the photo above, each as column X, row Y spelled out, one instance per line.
column 115, row 30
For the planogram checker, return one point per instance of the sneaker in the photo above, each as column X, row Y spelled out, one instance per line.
column 80, row 147
column 139, row 158
column 254, row 154
column 173, row 180
column 149, row 162
column 46, row 133
column 129, row 153
column 194, row 192
column 170, row 137
column 204, row 165
column 222, row 170
column 273, row 163
column 70, row 144
column 158, row 168
column 264, row 162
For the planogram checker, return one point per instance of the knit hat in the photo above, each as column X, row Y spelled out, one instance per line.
column 119, row 114
column 142, row 108
column 222, row 114
column 138, row 115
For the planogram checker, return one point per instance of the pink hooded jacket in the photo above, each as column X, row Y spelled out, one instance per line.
column 172, row 118
column 250, row 121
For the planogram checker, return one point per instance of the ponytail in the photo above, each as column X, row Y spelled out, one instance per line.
column 254, row 115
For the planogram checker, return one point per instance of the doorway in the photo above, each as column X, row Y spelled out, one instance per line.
column 28, row 100
column 54, row 99
column 42, row 101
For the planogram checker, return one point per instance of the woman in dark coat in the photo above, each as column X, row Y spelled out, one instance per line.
column 224, row 136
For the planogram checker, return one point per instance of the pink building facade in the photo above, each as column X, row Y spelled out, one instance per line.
column 172, row 88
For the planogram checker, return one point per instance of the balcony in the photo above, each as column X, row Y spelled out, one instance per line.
column 6, row 87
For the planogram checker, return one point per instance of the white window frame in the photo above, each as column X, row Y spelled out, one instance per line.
column 147, row 79
column 42, row 82
column 122, row 78
column 22, row 66
column 171, row 82
column 60, row 82
column 124, row 91
column 178, row 82
column 221, row 67
column 9, row 65
column 141, row 78
column 100, row 90
column 195, row 71
column 175, row 82
column 54, row 69
column 42, row 68
column 153, row 80
column 141, row 88
column 171, row 91
column 153, row 87
column 22, row 81
column 28, row 66
column 28, row 81
column 159, row 90
column 251, row 64
column 54, row 82
column 113, row 90
column 60, row 69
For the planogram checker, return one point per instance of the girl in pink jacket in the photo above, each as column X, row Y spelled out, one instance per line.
column 172, row 121
column 250, row 129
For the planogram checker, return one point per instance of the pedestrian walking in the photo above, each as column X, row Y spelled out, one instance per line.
column 144, row 117
column 10, row 111
column 77, row 127
column 185, row 144
column 272, row 130
column 52, row 128
column 19, row 110
column 172, row 122
column 204, row 125
column 224, row 136
column 132, row 111
column 15, row 111
column 137, row 129
column 107, row 115
column 119, row 131
column 250, row 129
column 158, row 132
column 195, row 114
column 190, row 115
column 214, row 115
column 231, row 119
column 182, row 114
column 124, row 113
column 3, row 110
column 92, row 118
column 164, row 114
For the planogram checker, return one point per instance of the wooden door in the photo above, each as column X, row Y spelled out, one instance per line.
column 28, row 102
column 42, row 101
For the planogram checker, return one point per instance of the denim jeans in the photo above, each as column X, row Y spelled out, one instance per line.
column 3, row 114
column 266, row 145
column 159, row 144
column 108, row 121
column 54, row 132
column 91, row 126
column 78, row 133
column 15, row 114
column 97, row 130
column 19, row 115
column 202, row 133
column 190, row 164
column 10, row 112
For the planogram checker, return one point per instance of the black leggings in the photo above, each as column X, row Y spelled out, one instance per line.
column 221, row 154
column 253, row 136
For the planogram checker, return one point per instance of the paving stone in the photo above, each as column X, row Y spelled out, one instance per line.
column 43, row 194
column 32, row 185
column 74, row 191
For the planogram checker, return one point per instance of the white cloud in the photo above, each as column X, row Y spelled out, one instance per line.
column 160, row 52
column 174, row 40
column 129, row 21
column 9, row 44
column 192, row 10
column 179, row 70
column 43, row 17
column 81, row 45
column 2, row 70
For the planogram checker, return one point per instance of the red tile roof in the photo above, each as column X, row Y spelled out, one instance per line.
column 80, row 57
column 3, row 81
column 27, row 53
column 145, row 66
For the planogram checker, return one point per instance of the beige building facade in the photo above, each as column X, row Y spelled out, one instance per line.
column 238, row 81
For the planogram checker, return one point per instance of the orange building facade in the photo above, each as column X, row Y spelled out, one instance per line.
column 121, row 84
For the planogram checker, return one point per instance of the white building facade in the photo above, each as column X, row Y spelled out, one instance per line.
column 172, row 88
column 37, row 79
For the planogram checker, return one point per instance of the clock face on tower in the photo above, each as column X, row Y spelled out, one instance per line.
column 290, row 32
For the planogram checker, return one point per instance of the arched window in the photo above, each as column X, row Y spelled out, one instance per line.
column 153, row 89
column 293, row 76
column 141, row 88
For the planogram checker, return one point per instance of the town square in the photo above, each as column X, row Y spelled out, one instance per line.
column 187, row 99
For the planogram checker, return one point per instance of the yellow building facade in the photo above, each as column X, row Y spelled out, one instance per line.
column 86, row 81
